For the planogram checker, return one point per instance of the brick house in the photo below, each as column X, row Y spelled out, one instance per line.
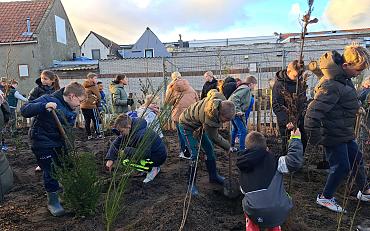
column 32, row 35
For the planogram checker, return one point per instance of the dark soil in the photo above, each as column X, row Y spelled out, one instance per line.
column 159, row 204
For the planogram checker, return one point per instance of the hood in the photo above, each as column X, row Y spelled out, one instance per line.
column 330, row 68
column 214, row 99
column 59, row 95
column 251, row 158
column 283, row 76
column 229, row 80
column 88, row 83
column 138, row 124
column 181, row 85
column 113, row 86
column 38, row 82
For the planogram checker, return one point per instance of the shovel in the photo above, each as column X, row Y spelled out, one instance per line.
column 60, row 128
column 231, row 185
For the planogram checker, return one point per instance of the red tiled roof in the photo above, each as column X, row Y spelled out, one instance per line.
column 13, row 19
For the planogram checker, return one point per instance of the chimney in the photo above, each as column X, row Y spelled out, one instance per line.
column 181, row 43
column 28, row 32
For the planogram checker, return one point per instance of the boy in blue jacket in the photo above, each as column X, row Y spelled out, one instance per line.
column 132, row 133
column 46, row 141
column 266, row 203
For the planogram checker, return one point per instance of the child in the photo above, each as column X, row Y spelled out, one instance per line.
column 46, row 84
column 241, row 97
column 150, row 111
column 6, row 173
column 330, row 119
column 103, row 102
column 46, row 141
column 12, row 98
column 266, row 203
column 205, row 117
column 136, row 130
column 89, row 107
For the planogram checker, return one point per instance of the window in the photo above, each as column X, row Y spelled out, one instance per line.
column 149, row 53
column 60, row 28
column 23, row 70
column 95, row 53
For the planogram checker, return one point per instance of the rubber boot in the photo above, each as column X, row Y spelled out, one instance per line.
column 212, row 171
column 191, row 175
column 54, row 205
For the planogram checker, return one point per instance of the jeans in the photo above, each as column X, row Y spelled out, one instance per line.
column 45, row 159
column 239, row 129
column 181, row 137
column 342, row 159
column 191, row 142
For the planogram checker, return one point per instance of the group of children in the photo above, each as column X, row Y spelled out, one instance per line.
column 266, row 204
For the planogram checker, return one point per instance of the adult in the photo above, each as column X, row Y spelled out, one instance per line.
column 119, row 95
column 180, row 95
column 89, row 107
column 330, row 120
column 211, row 83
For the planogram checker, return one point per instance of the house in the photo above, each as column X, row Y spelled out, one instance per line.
column 98, row 47
column 148, row 46
column 32, row 35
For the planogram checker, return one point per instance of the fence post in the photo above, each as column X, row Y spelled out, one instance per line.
column 164, row 79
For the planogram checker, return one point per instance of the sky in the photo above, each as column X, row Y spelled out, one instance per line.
column 124, row 21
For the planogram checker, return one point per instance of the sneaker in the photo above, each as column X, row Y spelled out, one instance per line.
column 100, row 136
column 4, row 148
column 152, row 174
column 89, row 137
column 363, row 197
column 182, row 155
column 38, row 169
column 331, row 204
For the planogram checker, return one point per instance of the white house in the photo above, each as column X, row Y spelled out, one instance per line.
column 98, row 47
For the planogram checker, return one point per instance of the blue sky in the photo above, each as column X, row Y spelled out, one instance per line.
column 123, row 21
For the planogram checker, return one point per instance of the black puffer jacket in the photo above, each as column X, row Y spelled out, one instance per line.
column 40, row 90
column 279, row 104
column 207, row 87
column 229, row 87
column 331, row 116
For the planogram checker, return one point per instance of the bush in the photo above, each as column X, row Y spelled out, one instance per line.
column 78, row 174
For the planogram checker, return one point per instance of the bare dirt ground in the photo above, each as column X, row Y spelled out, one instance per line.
column 159, row 204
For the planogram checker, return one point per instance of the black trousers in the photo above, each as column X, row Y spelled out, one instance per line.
column 91, row 115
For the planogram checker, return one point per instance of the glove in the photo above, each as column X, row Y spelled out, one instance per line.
column 233, row 149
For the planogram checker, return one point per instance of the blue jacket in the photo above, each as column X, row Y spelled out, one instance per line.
column 155, row 151
column 44, row 133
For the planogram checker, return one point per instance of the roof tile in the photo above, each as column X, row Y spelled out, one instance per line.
column 13, row 18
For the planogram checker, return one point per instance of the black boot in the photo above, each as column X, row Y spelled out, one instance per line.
column 212, row 171
column 191, row 176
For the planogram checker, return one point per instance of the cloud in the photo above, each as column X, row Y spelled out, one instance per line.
column 346, row 14
column 125, row 21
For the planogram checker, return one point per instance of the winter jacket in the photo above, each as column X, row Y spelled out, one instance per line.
column 364, row 97
column 151, row 117
column 93, row 95
column 285, row 87
column 261, row 181
column 6, row 174
column 331, row 116
column 241, row 97
column 229, row 87
column 205, row 113
column 13, row 97
column 119, row 98
column 44, row 133
column 139, row 134
column 207, row 87
column 180, row 95
column 40, row 90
